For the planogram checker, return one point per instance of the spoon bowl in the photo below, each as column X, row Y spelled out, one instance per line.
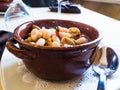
column 106, row 64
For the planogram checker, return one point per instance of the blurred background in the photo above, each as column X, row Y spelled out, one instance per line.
column 110, row 8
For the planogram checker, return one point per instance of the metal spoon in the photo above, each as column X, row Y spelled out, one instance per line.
column 106, row 63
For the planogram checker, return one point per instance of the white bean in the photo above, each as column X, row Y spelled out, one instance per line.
column 64, row 34
column 53, row 31
column 39, row 34
column 55, row 38
column 34, row 33
column 41, row 42
column 55, row 44
column 63, row 29
column 46, row 34
column 81, row 40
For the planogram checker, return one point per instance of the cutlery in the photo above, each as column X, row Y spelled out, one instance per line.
column 106, row 64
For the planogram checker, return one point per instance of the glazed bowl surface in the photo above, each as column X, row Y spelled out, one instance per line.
column 54, row 63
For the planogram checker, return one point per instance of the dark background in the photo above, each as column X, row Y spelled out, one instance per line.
column 39, row 3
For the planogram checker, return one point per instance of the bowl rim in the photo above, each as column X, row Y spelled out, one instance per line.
column 21, row 41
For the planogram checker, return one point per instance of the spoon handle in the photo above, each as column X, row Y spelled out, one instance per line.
column 102, row 82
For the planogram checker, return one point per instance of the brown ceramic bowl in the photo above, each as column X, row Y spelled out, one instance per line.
column 54, row 63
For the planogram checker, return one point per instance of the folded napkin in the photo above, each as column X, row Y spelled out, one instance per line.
column 4, row 36
column 66, row 7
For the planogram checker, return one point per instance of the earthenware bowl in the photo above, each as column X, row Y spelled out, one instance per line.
column 54, row 63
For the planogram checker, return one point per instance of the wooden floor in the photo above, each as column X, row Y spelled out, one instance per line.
column 111, row 10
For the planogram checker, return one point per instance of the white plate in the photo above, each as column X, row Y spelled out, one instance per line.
column 17, row 77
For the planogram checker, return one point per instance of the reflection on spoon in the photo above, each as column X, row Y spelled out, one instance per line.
column 106, row 63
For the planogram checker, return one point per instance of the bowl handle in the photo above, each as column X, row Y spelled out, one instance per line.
column 20, row 53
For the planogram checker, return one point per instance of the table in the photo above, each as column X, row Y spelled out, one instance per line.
column 109, row 27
